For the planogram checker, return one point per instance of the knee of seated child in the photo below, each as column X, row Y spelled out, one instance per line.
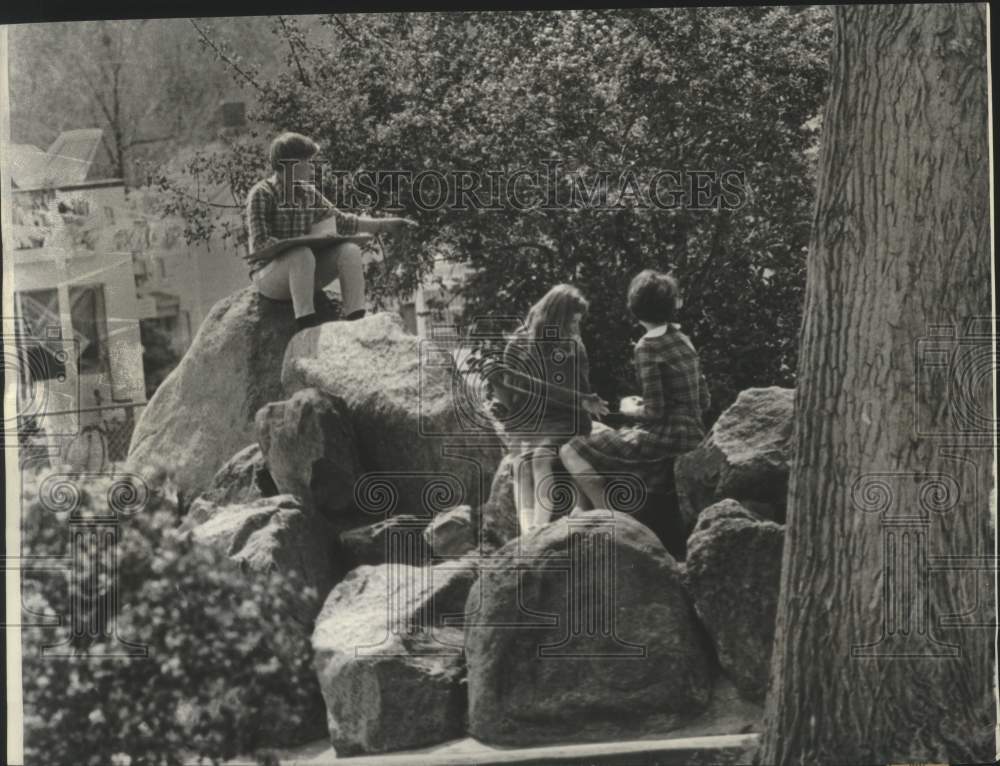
column 348, row 250
column 301, row 255
column 567, row 453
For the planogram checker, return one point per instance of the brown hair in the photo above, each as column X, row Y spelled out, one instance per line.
column 554, row 310
column 652, row 297
column 291, row 146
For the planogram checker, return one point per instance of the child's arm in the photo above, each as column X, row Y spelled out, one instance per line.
column 259, row 205
column 569, row 397
column 349, row 224
column 589, row 400
column 388, row 225
column 647, row 368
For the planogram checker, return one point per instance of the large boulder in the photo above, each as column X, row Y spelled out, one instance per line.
column 553, row 655
column 391, row 675
column 745, row 455
column 203, row 412
column 733, row 573
column 278, row 534
column 423, row 438
column 310, row 448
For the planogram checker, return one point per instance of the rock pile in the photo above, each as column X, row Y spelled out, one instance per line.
column 345, row 453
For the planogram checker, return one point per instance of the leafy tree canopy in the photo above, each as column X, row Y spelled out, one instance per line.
column 624, row 95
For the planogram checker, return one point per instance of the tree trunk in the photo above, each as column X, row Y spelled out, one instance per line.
column 885, row 629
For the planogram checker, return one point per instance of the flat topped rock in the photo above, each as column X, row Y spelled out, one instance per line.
column 421, row 435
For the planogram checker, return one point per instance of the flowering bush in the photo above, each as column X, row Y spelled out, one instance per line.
column 171, row 654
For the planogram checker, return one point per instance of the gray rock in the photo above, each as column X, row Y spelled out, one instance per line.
column 310, row 448
column 203, row 413
column 398, row 539
column 499, row 514
column 745, row 456
column 391, row 675
column 724, row 509
column 278, row 534
column 453, row 533
column 733, row 573
column 419, row 439
column 243, row 479
column 537, row 673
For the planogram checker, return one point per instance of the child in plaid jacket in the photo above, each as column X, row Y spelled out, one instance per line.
column 287, row 205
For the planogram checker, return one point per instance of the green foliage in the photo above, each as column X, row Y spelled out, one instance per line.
column 223, row 674
column 631, row 92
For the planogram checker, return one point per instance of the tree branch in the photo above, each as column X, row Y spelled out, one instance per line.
column 226, row 58
column 138, row 141
column 200, row 201
column 295, row 56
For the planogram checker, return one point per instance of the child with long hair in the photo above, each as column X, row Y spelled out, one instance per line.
column 547, row 390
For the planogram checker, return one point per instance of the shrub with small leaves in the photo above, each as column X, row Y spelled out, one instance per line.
column 173, row 653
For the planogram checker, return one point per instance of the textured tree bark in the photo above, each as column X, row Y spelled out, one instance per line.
column 886, row 626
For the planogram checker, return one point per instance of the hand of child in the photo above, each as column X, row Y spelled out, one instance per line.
column 595, row 406
column 630, row 405
column 395, row 225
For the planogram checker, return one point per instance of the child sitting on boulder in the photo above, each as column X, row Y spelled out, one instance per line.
column 546, row 389
column 286, row 204
column 669, row 413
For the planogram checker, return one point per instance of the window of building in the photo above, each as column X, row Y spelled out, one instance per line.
column 40, row 344
column 89, row 319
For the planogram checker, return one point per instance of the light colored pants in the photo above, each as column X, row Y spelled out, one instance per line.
column 298, row 272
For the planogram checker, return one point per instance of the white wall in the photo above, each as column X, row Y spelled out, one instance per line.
column 39, row 269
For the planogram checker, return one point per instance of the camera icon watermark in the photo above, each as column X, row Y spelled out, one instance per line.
column 954, row 370
column 909, row 506
column 527, row 387
column 41, row 365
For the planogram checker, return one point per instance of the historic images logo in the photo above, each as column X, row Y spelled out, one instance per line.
column 548, row 187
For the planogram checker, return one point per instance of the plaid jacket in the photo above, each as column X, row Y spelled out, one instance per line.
column 268, row 220
column 542, row 385
column 674, row 392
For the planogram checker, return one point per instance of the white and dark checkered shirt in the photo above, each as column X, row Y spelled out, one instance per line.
column 268, row 220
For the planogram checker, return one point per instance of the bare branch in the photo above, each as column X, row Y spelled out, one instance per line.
column 205, row 202
column 138, row 141
column 225, row 57
column 295, row 56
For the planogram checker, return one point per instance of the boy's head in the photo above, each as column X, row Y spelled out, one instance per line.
column 652, row 297
column 289, row 147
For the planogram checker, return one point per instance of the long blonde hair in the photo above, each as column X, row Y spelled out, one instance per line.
column 555, row 310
